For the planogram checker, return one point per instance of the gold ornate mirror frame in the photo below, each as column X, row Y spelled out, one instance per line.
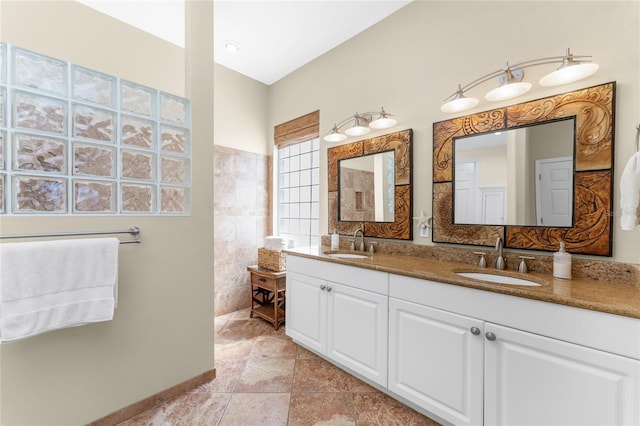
column 592, row 231
column 401, row 227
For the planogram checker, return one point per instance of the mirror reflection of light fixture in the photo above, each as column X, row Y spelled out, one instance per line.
column 360, row 124
column 510, row 84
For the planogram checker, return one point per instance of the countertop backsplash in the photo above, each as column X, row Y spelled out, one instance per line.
column 591, row 269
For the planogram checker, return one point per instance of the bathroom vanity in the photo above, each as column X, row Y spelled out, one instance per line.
column 469, row 352
column 340, row 312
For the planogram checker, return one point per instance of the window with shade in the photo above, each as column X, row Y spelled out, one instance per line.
column 298, row 193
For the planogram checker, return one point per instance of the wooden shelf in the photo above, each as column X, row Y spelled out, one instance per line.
column 266, row 312
column 267, row 293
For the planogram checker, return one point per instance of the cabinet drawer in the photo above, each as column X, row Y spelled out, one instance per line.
column 362, row 278
column 269, row 283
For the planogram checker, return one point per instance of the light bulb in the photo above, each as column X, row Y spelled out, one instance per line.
column 357, row 130
column 569, row 73
column 508, row 91
column 459, row 104
column 383, row 123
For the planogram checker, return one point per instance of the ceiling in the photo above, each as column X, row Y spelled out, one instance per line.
column 274, row 37
column 278, row 37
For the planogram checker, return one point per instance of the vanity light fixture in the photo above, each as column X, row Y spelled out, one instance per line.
column 510, row 84
column 360, row 124
column 459, row 102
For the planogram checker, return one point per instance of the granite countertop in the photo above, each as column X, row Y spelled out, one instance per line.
column 598, row 295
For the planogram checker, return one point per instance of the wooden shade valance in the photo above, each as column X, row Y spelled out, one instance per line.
column 297, row 130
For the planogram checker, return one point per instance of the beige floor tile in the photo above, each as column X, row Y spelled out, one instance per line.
column 306, row 354
column 255, row 409
column 245, row 329
column 308, row 409
column 274, row 347
column 381, row 410
column 358, row 386
column 220, row 321
column 317, row 375
column 194, row 408
column 236, row 350
column 242, row 314
column 267, row 375
column 228, row 372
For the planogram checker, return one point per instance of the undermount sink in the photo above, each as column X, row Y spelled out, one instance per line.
column 347, row 255
column 498, row 279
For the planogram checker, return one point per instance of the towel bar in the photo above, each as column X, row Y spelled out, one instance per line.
column 134, row 230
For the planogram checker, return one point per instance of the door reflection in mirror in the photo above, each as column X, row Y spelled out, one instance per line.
column 522, row 176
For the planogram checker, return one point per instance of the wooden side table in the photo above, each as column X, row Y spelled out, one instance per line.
column 268, row 295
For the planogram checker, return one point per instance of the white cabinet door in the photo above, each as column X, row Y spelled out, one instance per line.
column 436, row 361
column 534, row 380
column 357, row 330
column 306, row 311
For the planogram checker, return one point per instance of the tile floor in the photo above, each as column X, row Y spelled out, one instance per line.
column 263, row 378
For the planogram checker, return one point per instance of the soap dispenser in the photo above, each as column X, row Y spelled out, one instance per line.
column 562, row 263
column 335, row 240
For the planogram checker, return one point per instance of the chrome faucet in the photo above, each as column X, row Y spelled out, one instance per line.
column 500, row 260
column 355, row 239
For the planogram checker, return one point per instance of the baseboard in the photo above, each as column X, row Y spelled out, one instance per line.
column 156, row 399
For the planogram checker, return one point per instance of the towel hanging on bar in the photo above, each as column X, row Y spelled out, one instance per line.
column 630, row 193
column 49, row 285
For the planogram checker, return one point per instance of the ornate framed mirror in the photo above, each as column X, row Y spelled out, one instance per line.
column 384, row 162
column 589, row 114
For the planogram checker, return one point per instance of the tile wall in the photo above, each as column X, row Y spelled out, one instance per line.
column 357, row 195
column 241, row 221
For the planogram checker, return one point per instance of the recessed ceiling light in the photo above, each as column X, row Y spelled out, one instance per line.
column 232, row 46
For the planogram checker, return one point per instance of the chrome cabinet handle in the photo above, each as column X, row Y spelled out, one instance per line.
column 490, row 336
column 329, row 288
column 323, row 287
column 475, row 331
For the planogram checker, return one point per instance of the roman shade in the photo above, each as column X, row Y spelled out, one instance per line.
column 297, row 130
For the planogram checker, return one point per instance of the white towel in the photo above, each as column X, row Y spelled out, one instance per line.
column 275, row 243
column 50, row 285
column 630, row 193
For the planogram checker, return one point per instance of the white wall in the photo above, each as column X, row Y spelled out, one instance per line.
column 415, row 58
column 162, row 333
column 493, row 167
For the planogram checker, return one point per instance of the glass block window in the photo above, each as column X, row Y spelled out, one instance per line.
column 76, row 141
column 299, row 192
